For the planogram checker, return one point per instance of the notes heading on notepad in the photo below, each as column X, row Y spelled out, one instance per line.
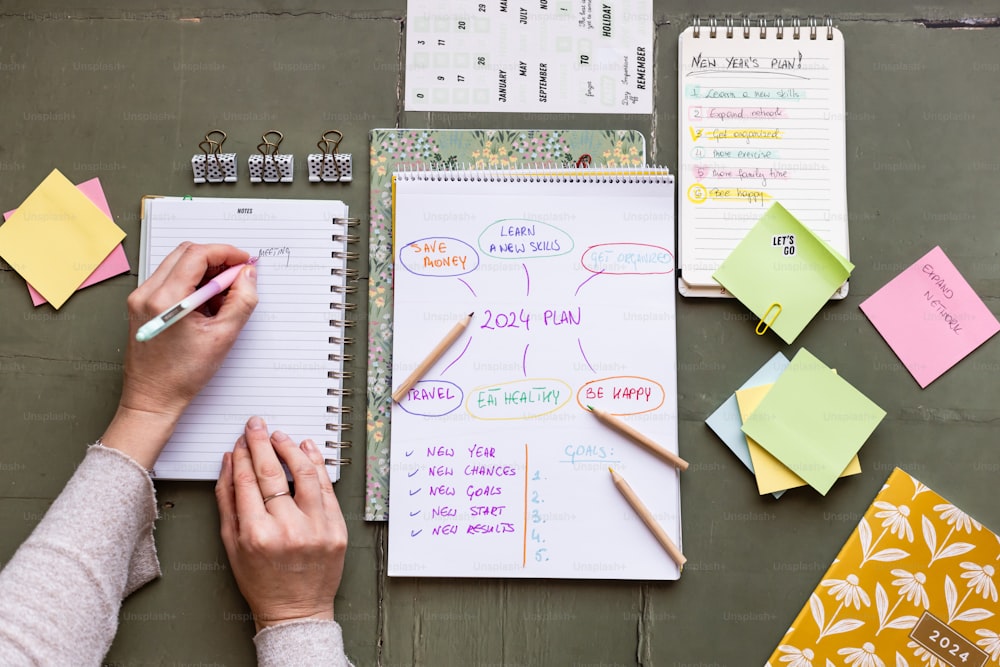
column 930, row 316
column 783, row 272
column 57, row 238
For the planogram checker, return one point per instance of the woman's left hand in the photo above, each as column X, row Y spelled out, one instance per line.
column 287, row 552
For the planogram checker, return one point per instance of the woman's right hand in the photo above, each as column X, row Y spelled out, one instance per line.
column 164, row 374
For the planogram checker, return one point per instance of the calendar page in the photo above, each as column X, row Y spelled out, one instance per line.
column 544, row 56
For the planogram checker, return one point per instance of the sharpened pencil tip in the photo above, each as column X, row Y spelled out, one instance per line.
column 472, row 313
column 590, row 407
column 611, row 470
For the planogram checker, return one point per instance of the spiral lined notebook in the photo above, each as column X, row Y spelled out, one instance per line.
column 498, row 467
column 288, row 363
column 761, row 121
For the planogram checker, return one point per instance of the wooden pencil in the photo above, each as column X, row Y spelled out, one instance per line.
column 435, row 354
column 640, row 439
column 647, row 518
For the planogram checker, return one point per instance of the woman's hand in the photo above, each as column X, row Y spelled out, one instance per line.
column 287, row 552
column 164, row 374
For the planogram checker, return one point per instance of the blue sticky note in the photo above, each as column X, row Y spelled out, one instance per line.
column 726, row 421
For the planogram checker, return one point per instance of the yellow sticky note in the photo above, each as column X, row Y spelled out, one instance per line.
column 772, row 474
column 57, row 238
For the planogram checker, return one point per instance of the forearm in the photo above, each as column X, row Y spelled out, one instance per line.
column 140, row 434
column 297, row 643
column 63, row 588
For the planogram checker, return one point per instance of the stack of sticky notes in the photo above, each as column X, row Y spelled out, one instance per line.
column 783, row 272
column 62, row 238
column 796, row 424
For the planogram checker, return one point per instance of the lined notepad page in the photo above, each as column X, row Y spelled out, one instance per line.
column 284, row 365
column 761, row 121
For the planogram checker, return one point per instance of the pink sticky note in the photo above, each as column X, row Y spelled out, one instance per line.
column 930, row 316
column 114, row 264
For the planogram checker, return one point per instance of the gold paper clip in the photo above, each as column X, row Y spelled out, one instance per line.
column 214, row 166
column 329, row 166
column 268, row 166
column 776, row 307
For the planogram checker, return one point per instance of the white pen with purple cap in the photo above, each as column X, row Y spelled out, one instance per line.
column 216, row 285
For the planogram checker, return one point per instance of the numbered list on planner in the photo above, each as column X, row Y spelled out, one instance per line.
column 762, row 121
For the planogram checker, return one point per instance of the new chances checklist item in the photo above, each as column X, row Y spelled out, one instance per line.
column 915, row 585
column 930, row 316
column 761, row 120
column 498, row 467
column 287, row 365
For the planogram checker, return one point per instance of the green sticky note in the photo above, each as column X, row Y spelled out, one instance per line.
column 781, row 261
column 813, row 421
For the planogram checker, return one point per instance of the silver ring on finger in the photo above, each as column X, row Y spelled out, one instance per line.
column 275, row 495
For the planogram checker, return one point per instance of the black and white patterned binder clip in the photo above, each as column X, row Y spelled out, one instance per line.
column 329, row 166
column 268, row 166
column 214, row 166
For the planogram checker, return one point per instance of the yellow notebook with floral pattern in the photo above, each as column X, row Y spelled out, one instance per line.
column 915, row 585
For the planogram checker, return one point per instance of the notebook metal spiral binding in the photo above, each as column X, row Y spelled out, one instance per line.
column 778, row 24
column 543, row 173
column 346, row 235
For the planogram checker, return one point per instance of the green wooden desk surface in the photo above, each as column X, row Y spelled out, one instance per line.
column 126, row 92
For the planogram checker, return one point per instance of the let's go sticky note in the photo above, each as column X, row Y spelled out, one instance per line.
column 783, row 272
column 57, row 238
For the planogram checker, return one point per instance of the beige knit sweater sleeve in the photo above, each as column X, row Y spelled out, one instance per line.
column 61, row 591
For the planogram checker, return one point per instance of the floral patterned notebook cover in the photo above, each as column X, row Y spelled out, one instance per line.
column 444, row 149
column 915, row 585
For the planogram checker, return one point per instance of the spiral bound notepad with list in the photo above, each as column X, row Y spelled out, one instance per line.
column 498, row 467
column 287, row 365
column 761, row 121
